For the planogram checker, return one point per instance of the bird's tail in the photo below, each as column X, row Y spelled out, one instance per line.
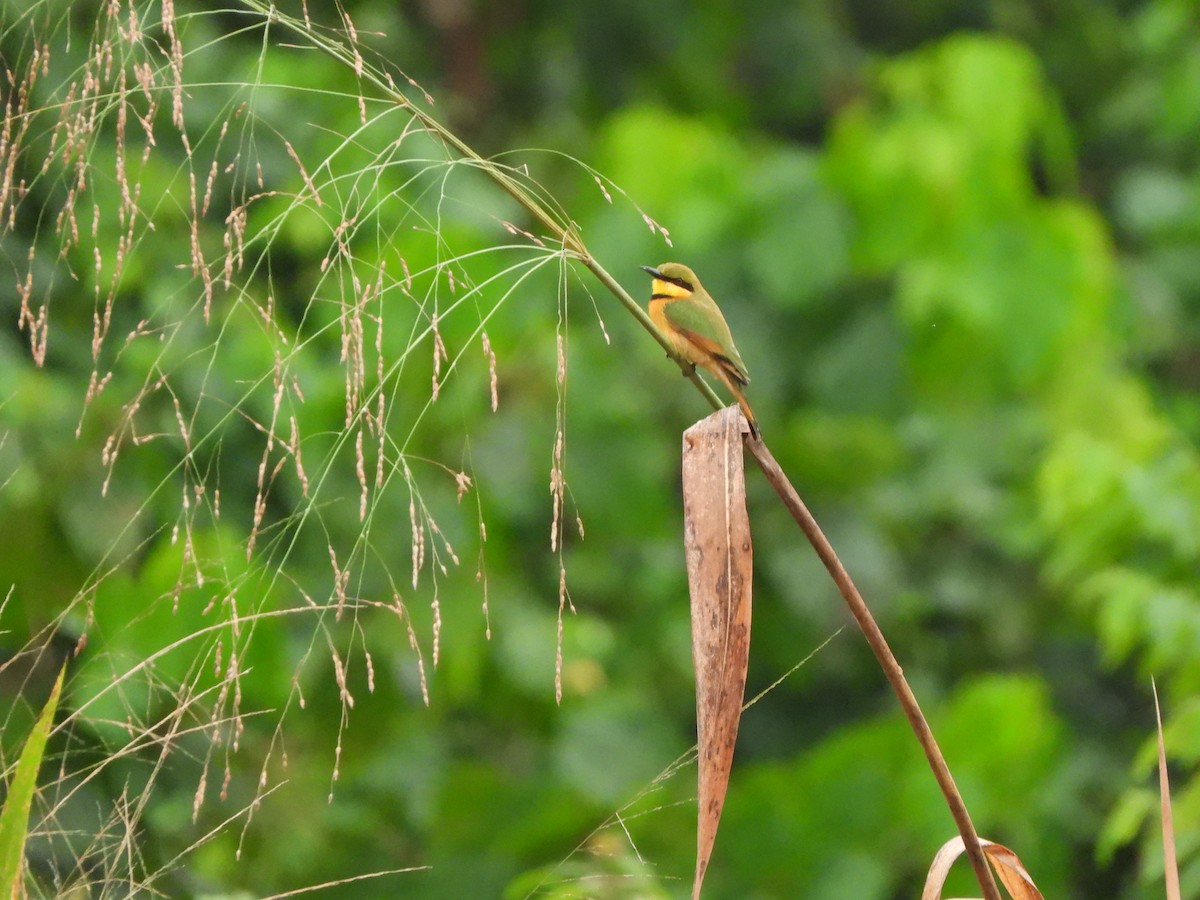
column 749, row 413
column 734, row 382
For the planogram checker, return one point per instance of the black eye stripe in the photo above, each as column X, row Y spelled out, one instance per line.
column 679, row 282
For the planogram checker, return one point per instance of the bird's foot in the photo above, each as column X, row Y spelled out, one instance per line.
column 689, row 370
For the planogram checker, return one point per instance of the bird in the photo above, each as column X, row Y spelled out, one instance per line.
column 690, row 319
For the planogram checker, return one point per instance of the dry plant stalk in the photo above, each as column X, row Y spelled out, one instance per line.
column 883, row 653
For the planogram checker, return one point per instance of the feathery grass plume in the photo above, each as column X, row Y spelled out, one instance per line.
column 245, row 521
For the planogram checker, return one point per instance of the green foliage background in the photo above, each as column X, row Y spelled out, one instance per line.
column 957, row 243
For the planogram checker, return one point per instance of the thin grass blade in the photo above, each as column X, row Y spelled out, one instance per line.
column 14, row 818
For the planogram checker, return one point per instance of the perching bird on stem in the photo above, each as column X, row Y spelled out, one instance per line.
column 689, row 318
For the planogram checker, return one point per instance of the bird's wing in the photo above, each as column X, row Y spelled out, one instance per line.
column 704, row 325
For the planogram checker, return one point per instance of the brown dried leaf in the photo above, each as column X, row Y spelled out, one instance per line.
column 719, row 558
column 1007, row 864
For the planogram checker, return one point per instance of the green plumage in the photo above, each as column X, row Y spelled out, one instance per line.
column 699, row 314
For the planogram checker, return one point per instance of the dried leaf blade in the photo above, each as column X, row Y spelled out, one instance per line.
column 1009, row 869
column 719, row 561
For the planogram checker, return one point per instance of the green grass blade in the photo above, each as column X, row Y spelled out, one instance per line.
column 14, row 818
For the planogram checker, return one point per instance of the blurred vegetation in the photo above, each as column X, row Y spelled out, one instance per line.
column 958, row 245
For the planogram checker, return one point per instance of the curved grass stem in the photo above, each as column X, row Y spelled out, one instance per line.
column 567, row 236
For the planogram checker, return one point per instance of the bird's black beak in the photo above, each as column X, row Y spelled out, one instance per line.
column 652, row 272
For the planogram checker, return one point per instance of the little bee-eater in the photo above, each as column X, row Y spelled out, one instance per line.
column 689, row 318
